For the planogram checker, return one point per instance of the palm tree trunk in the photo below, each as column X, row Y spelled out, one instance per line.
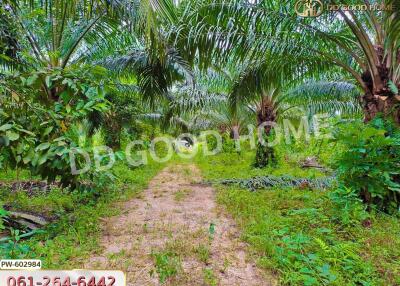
column 266, row 113
column 235, row 132
column 385, row 104
column 380, row 99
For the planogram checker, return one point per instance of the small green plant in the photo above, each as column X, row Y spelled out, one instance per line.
column 209, row 277
column 322, row 266
column 348, row 208
column 38, row 136
column 369, row 165
column 13, row 249
column 228, row 144
column 167, row 265
column 265, row 156
column 181, row 195
column 211, row 231
column 203, row 253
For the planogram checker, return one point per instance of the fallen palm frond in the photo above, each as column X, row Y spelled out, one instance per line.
column 264, row 182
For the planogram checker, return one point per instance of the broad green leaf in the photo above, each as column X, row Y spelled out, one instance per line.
column 32, row 79
column 4, row 57
column 62, row 138
column 20, row 148
column 3, row 212
column 43, row 146
column 4, row 141
column 5, row 127
column 12, row 135
column 98, row 70
column 42, row 159
column 35, row 159
column 25, row 131
column 61, row 151
column 26, row 159
column 48, row 130
column 89, row 104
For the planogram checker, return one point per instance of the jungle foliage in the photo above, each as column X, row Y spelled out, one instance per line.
column 77, row 75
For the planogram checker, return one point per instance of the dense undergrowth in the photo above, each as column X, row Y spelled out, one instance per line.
column 308, row 236
column 78, row 75
column 75, row 232
column 303, row 234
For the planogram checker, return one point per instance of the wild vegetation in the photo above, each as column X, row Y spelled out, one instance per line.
column 307, row 110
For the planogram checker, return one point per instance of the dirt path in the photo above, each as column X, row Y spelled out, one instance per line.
column 174, row 232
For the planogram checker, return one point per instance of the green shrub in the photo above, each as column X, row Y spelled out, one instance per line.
column 13, row 248
column 211, row 142
column 167, row 264
column 348, row 208
column 228, row 144
column 36, row 132
column 370, row 163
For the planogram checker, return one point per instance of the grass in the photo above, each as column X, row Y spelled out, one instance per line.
column 300, row 235
column 229, row 165
column 8, row 175
column 167, row 265
column 209, row 277
column 303, row 236
column 168, row 260
column 181, row 194
column 203, row 253
column 75, row 234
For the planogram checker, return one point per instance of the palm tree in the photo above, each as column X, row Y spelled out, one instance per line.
column 365, row 46
column 63, row 33
column 62, row 36
column 228, row 99
column 186, row 108
column 268, row 92
column 273, row 90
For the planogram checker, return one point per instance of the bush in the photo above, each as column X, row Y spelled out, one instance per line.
column 211, row 142
column 228, row 144
column 370, row 163
column 37, row 133
column 348, row 208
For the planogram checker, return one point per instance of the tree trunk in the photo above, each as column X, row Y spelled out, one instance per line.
column 387, row 105
column 113, row 134
column 235, row 132
column 266, row 113
column 380, row 98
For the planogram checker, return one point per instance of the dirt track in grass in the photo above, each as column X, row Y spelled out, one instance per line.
column 175, row 229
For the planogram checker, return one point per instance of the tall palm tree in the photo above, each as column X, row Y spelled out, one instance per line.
column 62, row 33
column 229, row 99
column 272, row 96
column 364, row 45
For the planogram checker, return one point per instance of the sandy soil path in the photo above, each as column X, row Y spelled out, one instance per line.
column 174, row 234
